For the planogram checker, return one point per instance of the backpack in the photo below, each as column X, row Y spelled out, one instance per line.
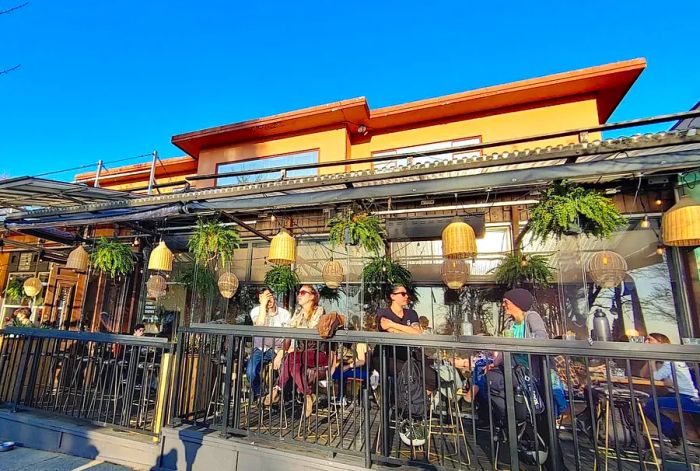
column 525, row 385
column 410, row 399
column 329, row 323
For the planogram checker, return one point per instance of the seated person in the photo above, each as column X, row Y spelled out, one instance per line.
column 302, row 355
column 348, row 362
column 687, row 392
column 267, row 314
column 424, row 324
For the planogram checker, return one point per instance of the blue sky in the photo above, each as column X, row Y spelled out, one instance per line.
column 110, row 80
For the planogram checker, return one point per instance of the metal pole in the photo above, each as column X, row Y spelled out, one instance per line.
column 153, row 171
column 97, row 173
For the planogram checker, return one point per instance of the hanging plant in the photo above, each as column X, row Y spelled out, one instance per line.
column 112, row 257
column 519, row 269
column 329, row 294
column 380, row 274
column 567, row 208
column 281, row 279
column 362, row 229
column 14, row 291
column 198, row 278
column 212, row 240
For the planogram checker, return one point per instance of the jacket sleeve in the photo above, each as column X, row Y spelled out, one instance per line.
column 537, row 328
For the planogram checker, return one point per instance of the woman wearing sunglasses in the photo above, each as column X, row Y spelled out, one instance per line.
column 303, row 355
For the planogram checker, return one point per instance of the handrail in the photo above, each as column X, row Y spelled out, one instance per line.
column 85, row 336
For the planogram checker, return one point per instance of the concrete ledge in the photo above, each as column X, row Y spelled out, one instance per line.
column 50, row 433
column 189, row 448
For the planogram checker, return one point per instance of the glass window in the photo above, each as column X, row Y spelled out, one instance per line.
column 447, row 145
column 272, row 163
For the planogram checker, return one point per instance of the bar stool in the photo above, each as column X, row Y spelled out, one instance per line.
column 616, row 400
column 445, row 420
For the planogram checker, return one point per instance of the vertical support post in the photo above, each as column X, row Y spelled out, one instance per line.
column 163, row 382
column 151, row 177
column 97, row 173
column 510, row 410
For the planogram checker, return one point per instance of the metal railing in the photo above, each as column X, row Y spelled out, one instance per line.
column 112, row 380
column 546, row 403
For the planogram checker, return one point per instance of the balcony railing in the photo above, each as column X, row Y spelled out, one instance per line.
column 114, row 380
column 552, row 401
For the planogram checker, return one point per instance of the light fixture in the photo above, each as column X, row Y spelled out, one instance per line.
column 273, row 218
column 458, row 240
column 333, row 274
column 283, row 249
column 607, row 269
column 524, row 262
column 78, row 259
column 658, row 201
column 228, row 284
column 645, row 223
column 161, row 258
column 455, row 273
column 680, row 225
column 660, row 249
column 362, row 129
column 156, row 286
column 32, row 286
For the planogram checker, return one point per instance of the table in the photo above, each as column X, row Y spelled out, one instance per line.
column 635, row 380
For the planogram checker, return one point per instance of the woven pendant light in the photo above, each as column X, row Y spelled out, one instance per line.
column 333, row 274
column 283, row 249
column 78, row 259
column 161, row 258
column 454, row 273
column 458, row 240
column 156, row 286
column 680, row 225
column 32, row 286
column 228, row 284
column 607, row 269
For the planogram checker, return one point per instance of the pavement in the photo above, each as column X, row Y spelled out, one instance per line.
column 27, row 459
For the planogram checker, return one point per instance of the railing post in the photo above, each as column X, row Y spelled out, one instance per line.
column 510, row 410
column 227, row 384
column 175, row 395
column 163, row 383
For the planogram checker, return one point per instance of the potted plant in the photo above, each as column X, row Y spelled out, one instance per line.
column 356, row 227
column 212, row 240
column 518, row 269
column 112, row 257
column 567, row 209
column 14, row 292
column 281, row 279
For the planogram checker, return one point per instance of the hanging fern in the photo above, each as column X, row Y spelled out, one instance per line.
column 329, row 294
column 198, row 278
column 517, row 269
column 14, row 291
column 112, row 258
column 568, row 208
column 380, row 274
column 281, row 279
column 213, row 240
column 363, row 229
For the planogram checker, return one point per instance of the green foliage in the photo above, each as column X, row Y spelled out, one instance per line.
column 212, row 240
column 112, row 257
column 281, row 279
column 569, row 208
column 329, row 294
column 198, row 278
column 14, row 291
column 363, row 228
column 517, row 269
column 380, row 274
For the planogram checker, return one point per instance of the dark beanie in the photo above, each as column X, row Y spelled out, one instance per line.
column 520, row 297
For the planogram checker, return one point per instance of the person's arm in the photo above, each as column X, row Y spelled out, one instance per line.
column 538, row 330
column 664, row 372
column 396, row 328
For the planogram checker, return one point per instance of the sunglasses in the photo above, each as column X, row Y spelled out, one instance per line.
column 303, row 292
column 401, row 293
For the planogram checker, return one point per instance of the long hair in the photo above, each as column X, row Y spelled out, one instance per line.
column 314, row 292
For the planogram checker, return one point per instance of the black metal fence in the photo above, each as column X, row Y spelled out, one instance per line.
column 443, row 401
column 114, row 380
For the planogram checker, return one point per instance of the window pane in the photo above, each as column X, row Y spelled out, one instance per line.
column 272, row 163
column 447, row 145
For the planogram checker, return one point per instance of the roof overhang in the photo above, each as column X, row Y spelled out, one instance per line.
column 607, row 83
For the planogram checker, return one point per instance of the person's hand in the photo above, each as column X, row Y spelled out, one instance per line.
column 489, row 367
column 311, row 375
column 264, row 298
column 277, row 362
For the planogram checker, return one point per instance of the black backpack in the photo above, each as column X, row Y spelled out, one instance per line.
column 525, row 384
column 410, row 400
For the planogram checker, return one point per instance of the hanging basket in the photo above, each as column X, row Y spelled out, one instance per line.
column 333, row 274
column 283, row 249
column 607, row 269
column 156, row 286
column 161, row 258
column 32, row 286
column 458, row 241
column 78, row 259
column 228, row 285
column 454, row 273
column 680, row 225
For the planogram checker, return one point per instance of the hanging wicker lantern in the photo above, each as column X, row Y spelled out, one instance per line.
column 458, row 241
column 333, row 274
column 607, row 269
column 161, row 258
column 156, row 286
column 680, row 225
column 228, row 284
column 32, row 286
column 283, row 249
column 454, row 273
column 78, row 259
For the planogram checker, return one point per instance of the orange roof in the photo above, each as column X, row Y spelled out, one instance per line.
column 608, row 83
column 171, row 167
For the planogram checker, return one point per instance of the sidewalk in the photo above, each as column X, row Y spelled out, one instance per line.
column 21, row 459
